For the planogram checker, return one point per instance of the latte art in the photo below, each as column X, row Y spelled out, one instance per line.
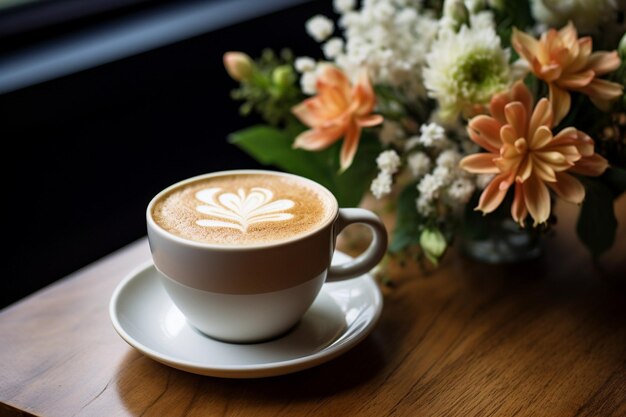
column 244, row 209
column 241, row 210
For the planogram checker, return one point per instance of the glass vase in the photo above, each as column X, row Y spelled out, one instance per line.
column 495, row 238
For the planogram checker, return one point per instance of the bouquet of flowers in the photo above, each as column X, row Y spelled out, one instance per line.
column 450, row 107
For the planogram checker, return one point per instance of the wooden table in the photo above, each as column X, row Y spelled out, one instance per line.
column 544, row 338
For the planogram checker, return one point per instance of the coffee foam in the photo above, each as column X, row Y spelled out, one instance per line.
column 243, row 209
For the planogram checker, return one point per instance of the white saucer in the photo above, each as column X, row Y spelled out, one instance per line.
column 342, row 315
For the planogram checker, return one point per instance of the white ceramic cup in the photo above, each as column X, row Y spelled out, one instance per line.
column 251, row 293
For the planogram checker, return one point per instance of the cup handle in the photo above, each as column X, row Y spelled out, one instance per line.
column 372, row 255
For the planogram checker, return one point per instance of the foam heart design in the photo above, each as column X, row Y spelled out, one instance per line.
column 241, row 210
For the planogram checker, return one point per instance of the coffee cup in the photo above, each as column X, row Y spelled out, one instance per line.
column 243, row 254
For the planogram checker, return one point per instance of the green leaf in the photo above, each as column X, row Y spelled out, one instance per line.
column 597, row 223
column 408, row 222
column 272, row 146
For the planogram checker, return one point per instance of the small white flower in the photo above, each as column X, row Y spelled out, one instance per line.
column 461, row 190
column 419, row 164
column 587, row 15
column 429, row 186
column 482, row 180
column 432, row 135
column 344, row 6
column 333, row 48
column 304, row 64
column 443, row 175
column 388, row 161
column 320, row 27
column 381, row 185
column 411, row 143
column 307, row 82
column 449, row 158
column 424, row 206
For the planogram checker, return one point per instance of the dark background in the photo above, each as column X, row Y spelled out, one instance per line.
column 90, row 149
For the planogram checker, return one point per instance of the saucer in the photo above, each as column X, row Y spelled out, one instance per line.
column 341, row 316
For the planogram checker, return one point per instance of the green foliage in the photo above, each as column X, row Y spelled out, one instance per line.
column 272, row 89
column 272, row 146
column 597, row 223
column 408, row 221
column 512, row 13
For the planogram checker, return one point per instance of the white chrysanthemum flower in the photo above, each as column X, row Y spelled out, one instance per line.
column 432, row 135
column 461, row 190
column 587, row 15
column 381, row 185
column 419, row 164
column 466, row 68
column 320, row 27
column 449, row 158
column 333, row 48
column 304, row 64
column 388, row 161
column 344, row 6
column 390, row 132
column 307, row 82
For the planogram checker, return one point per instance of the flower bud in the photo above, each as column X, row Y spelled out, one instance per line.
column 455, row 11
column 238, row 65
column 433, row 244
column 283, row 76
column 621, row 49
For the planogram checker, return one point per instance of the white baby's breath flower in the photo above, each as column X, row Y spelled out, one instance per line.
column 333, row 48
column 449, row 158
column 411, row 143
column 461, row 190
column 424, row 206
column 388, row 161
column 443, row 175
column 466, row 68
column 390, row 39
column 429, row 186
column 419, row 164
column 482, row 180
column 307, row 82
column 432, row 135
column 304, row 64
column 381, row 185
column 320, row 27
column 344, row 6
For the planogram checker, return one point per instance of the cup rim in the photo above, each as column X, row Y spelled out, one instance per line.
column 168, row 235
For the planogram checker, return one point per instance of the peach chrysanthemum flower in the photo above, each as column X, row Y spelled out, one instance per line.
column 522, row 151
column 339, row 110
column 566, row 63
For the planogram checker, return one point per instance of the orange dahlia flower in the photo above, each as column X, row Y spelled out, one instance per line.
column 522, row 151
column 339, row 110
column 566, row 63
